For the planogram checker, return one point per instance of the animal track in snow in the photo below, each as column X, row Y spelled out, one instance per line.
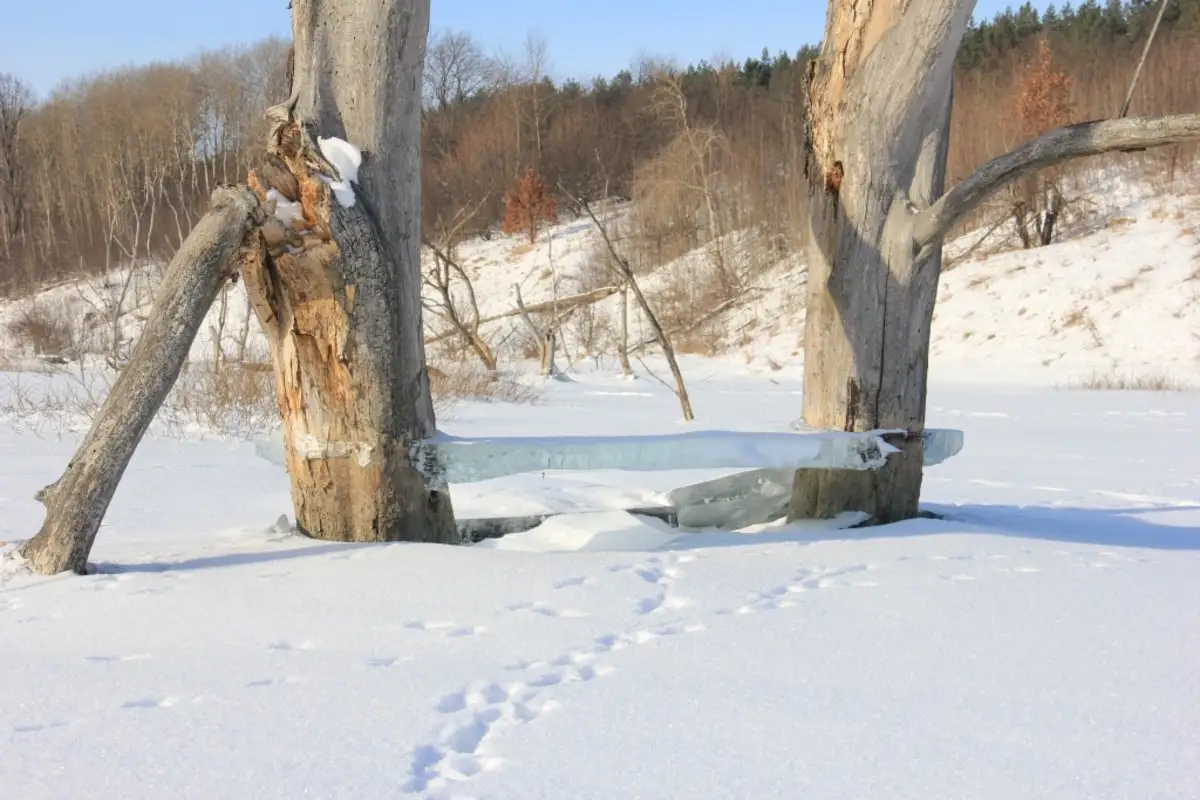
column 119, row 659
column 661, row 575
column 263, row 683
column 661, row 602
column 58, row 723
column 106, row 582
column 545, row 610
column 152, row 702
column 570, row 582
column 446, row 629
column 288, row 647
column 386, row 662
column 464, row 747
column 806, row 580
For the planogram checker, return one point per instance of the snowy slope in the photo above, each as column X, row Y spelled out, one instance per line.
column 1121, row 298
column 1040, row 642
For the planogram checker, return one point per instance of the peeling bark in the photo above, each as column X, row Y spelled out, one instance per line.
column 77, row 502
column 877, row 137
column 878, row 132
column 338, row 291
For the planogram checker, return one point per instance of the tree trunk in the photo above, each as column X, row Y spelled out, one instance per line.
column 338, row 292
column 77, row 501
column 878, row 130
column 623, row 335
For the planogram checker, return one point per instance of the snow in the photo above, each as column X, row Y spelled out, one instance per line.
column 1039, row 641
column 1117, row 298
column 346, row 159
column 286, row 211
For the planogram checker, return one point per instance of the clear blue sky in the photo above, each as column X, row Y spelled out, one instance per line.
column 46, row 41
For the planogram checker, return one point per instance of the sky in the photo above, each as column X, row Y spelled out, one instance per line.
column 44, row 43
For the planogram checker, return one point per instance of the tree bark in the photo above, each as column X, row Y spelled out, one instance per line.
column 877, row 138
column 338, row 291
column 878, row 130
column 77, row 501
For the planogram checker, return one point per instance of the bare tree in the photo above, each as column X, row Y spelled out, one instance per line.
column 687, row 169
column 77, row 501
column 622, row 269
column 444, row 273
column 16, row 99
column 877, row 138
column 545, row 334
column 338, row 290
column 455, row 68
column 536, row 68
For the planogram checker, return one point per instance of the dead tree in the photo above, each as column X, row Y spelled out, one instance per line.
column 334, row 278
column 546, row 334
column 338, row 289
column 624, row 272
column 876, row 139
column 441, row 277
column 77, row 501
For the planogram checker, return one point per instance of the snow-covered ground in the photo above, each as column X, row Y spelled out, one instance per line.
column 1119, row 297
column 1040, row 641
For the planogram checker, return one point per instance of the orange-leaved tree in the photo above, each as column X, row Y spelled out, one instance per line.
column 1043, row 103
column 528, row 204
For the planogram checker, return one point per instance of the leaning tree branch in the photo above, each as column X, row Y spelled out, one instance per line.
column 1049, row 149
column 77, row 502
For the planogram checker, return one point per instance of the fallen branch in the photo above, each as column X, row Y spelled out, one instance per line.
column 77, row 502
column 539, row 308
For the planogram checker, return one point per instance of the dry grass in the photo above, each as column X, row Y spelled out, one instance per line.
column 1153, row 382
column 519, row 251
column 232, row 399
column 1074, row 318
column 472, row 382
column 43, row 331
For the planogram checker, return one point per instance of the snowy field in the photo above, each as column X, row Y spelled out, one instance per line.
column 1039, row 642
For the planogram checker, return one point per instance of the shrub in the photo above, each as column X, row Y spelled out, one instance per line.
column 43, row 331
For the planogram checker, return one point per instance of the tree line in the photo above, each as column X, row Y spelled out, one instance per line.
column 117, row 167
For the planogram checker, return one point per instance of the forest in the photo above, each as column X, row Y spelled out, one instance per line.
column 115, row 168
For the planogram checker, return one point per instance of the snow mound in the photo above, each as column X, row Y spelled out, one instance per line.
column 346, row 158
column 605, row 531
column 286, row 211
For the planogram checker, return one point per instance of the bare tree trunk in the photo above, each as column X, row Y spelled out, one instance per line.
column 77, row 501
column 544, row 335
column 623, row 341
column 620, row 266
column 339, row 293
column 879, row 106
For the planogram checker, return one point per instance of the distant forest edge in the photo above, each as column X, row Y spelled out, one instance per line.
column 115, row 168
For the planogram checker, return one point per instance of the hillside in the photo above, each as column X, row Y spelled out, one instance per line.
column 1119, row 297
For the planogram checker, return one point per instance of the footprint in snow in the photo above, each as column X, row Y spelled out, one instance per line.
column 545, row 610
column 446, row 629
column 288, row 647
column 466, row 746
